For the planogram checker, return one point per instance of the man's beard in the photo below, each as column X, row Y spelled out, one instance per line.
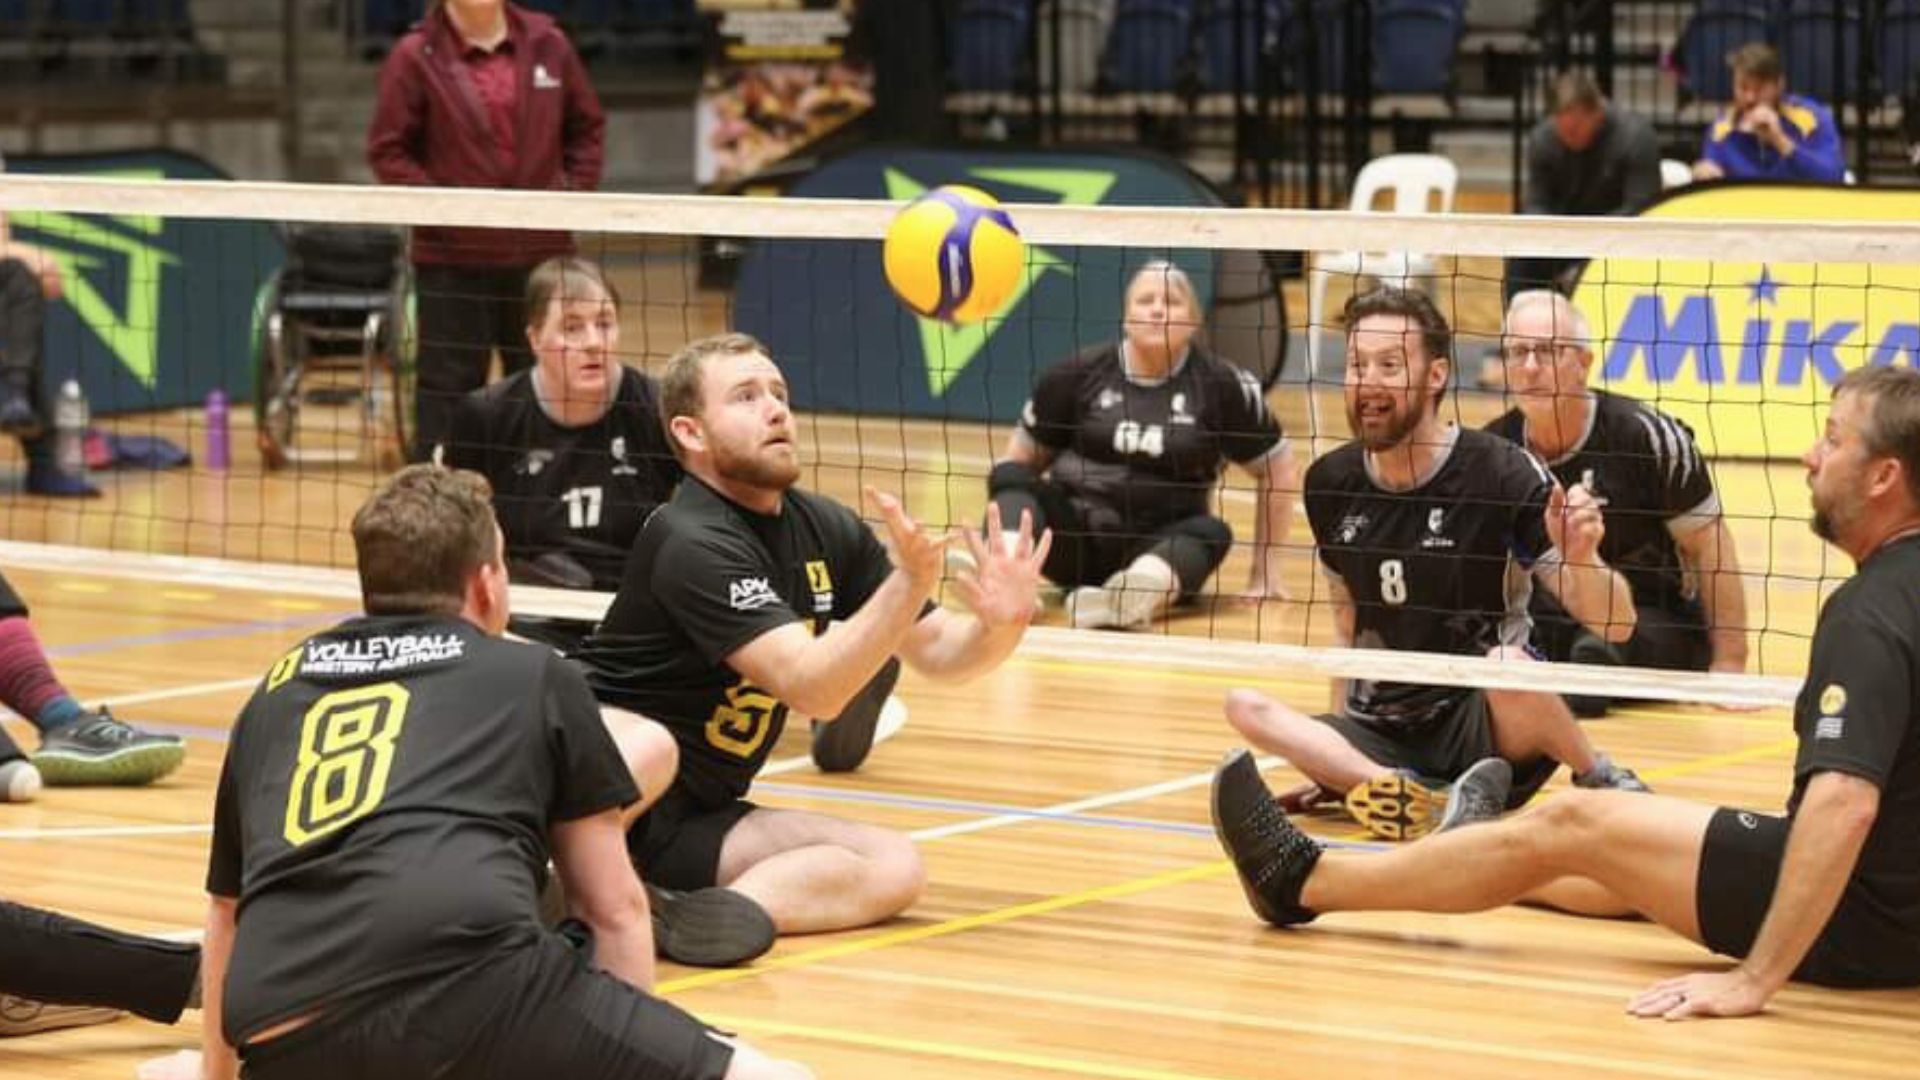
column 1400, row 423
column 755, row 470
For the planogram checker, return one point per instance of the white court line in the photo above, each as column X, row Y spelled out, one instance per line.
column 92, row 832
column 181, row 691
column 1096, row 802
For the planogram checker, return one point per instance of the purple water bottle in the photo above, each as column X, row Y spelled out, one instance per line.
column 218, row 455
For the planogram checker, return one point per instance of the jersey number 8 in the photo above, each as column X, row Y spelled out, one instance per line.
column 1393, row 581
column 346, row 755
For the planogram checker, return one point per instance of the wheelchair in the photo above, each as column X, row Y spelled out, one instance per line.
column 333, row 334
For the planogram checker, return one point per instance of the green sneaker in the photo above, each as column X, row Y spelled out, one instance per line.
column 97, row 749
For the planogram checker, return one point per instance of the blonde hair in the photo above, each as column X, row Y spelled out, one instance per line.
column 1171, row 276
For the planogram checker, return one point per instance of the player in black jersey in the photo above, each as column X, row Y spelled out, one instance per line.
column 1828, row 893
column 1430, row 537
column 58, row 972
column 1665, row 531
column 746, row 597
column 572, row 446
column 391, row 795
column 1119, row 449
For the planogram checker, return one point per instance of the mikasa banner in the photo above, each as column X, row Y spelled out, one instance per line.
column 1747, row 352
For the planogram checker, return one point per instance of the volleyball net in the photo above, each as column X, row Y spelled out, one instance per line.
column 172, row 290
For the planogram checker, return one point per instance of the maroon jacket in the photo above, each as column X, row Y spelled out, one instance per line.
column 430, row 127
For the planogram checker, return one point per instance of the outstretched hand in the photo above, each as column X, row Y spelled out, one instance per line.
column 1000, row 586
column 1703, row 994
column 1574, row 523
column 915, row 550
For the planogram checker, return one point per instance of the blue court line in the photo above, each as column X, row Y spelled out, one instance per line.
column 202, row 633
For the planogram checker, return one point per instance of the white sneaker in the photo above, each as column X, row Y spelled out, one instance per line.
column 1133, row 597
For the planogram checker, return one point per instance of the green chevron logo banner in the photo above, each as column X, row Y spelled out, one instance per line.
column 154, row 311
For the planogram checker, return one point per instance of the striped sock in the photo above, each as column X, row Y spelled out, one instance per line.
column 27, row 685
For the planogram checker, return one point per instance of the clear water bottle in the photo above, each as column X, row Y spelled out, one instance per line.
column 70, row 418
column 219, row 453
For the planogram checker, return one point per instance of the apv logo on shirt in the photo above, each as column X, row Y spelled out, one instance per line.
column 751, row 594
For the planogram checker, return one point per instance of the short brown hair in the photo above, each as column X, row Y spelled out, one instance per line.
column 1756, row 60
column 551, row 278
column 1436, row 337
column 420, row 536
column 1892, row 399
column 680, row 385
column 1576, row 89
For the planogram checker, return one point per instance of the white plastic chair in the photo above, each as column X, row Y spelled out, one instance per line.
column 1675, row 174
column 1414, row 179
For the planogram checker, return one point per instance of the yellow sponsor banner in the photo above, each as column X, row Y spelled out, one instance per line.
column 1747, row 353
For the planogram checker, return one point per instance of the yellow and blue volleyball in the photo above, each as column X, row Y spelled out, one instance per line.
column 953, row 254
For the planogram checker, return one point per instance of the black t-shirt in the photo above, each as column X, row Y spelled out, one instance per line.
column 1655, row 482
column 707, row 576
column 579, row 490
column 1149, row 453
column 383, row 811
column 1443, row 567
column 1859, row 713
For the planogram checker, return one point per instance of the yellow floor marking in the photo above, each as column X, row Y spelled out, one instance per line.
column 943, row 929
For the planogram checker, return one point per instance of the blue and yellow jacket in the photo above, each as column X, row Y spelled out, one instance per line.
column 1816, row 155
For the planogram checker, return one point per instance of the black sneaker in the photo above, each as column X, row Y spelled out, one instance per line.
column 710, row 927
column 842, row 744
column 97, row 749
column 1605, row 774
column 1480, row 794
column 1396, row 806
column 1272, row 857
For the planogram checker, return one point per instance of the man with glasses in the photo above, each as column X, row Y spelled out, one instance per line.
column 1430, row 538
column 1665, row 529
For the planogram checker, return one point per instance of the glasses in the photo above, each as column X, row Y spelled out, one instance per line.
column 1542, row 352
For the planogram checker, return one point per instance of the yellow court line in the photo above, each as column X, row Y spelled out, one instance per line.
column 1581, row 1060
column 1714, row 761
column 932, row 1048
column 943, row 929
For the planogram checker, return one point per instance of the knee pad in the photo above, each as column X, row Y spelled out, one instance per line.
column 1011, row 476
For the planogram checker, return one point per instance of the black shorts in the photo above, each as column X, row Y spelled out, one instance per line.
column 1739, row 867
column 534, row 1013
column 676, row 843
column 1441, row 749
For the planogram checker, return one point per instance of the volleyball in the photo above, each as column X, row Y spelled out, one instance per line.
column 953, row 254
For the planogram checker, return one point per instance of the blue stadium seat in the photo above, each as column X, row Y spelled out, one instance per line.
column 1413, row 45
column 1717, row 28
column 989, row 44
column 1900, row 47
column 1150, row 48
column 1240, row 34
column 1817, row 62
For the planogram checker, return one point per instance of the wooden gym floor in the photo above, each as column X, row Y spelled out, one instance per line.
column 1080, row 920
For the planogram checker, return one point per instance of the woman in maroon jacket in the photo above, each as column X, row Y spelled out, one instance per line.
column 480, row 94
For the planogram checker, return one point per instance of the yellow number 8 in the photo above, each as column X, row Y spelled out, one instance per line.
column 346, row 754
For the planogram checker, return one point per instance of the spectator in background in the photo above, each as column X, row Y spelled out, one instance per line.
column 1770, row 134
column 480, row 94
column 29, row 281
column 1588, row 158
column 1666, row 532
column 573, row 445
